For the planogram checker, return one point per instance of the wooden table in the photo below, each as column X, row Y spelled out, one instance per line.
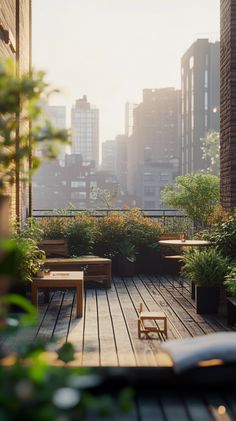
column 184, row 243
column 95, row 268
column 61, row 279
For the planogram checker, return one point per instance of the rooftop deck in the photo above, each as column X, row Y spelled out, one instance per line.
column 107, row 335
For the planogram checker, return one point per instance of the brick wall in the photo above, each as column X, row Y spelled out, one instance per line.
column 228, row 103
column 15, row 17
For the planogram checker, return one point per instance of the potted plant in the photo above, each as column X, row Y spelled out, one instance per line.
column 230, row 283
column 207, row 269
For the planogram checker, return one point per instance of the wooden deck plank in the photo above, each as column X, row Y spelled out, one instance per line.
column 61, row 330
column 75, row 333
column 150, row 409
column 206, row 324
column 150, row 303
column 107, row 333
column 126, row 355
column 47, row 327
column 173, row 406
column 183, row 312
column 91, row 346
column 214, row 322
column 144, row 353
column 108, row 348
column 168, row 307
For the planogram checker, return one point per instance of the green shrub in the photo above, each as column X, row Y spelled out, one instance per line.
column 222, row 233
column 230, row 281
column 53, row 227
column 80, row 233
column 205, row 267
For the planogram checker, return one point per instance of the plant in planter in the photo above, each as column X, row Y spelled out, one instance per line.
column 223, row 232
column 144, row 235
column 230, row 283
column 80, row 233
column 207, row 269
column 112, row 240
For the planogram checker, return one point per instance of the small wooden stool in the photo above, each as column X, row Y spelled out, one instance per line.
column 151, row 315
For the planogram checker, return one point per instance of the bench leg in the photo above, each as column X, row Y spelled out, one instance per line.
column 80, row 298
column 34, row 294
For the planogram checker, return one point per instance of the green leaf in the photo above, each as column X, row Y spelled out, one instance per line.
column 66, row 352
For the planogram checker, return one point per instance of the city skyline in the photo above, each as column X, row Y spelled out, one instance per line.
column 112, row 53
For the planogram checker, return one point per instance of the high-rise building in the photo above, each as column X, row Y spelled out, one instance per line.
column 120, row 168
column 56, row 114
column 200, row 89
column 129, row 117
column 85, row 130
column 108, row 155
column 154, row 146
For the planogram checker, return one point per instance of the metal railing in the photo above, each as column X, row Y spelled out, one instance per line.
column 171, row 219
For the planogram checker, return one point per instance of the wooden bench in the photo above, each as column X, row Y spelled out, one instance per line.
column 154, row 316
column 95, row 268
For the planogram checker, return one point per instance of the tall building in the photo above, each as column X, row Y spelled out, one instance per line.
column 56, row 114
column 108, row 155
column 85, row 130
column 200, row 88
column 15, row 43
column 120, row 168
column 154, row 146
column 129, row 117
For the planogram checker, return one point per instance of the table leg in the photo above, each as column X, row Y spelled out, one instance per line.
column 34, row 294
column 80, row 297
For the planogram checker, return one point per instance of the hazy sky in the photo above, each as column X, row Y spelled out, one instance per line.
column 112, row 49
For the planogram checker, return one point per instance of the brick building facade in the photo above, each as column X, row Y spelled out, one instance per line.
column 228, row 103
column 15, row 43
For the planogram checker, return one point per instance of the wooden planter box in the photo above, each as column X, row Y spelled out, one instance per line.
column 231, row 311
column 207, row 299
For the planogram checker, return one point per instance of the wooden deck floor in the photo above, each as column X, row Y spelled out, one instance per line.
column 107, row 335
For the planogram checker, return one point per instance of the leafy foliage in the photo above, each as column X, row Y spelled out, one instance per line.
column 211, row 151
column 196, row 194
column 80, row 233
column 222, row 231
column 230, row 281
column 205, row 267
column 19, row 99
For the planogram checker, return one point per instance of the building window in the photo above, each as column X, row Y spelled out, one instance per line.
column 76, row 184
column 78, row 195
column 148, row 176
column 149, row 190
column 149, row 204
column 164, row 176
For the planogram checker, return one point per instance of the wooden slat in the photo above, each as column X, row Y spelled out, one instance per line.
column 91, row 348
column 107, row 334
column 145, row 356
column 61, row 330
column 108, row 350
column 167, row 306
column 196, row 407
column 126, row 355
column 150, row 409
column 173, row 406
column 47, row 327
